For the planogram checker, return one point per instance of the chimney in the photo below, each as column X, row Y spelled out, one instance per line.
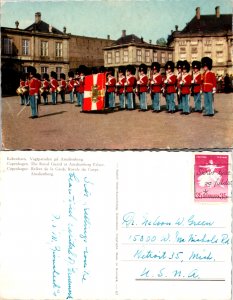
column 108, row 37
column 17, row 24
column 50, row 28
column 217, row 11
column 64, row 29
column 37, row 17
column 176, row 27
column 142, row 40
column 198, row 13
column 150, row 41
column 123, row 33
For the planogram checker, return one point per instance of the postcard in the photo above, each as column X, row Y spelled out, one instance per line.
column 116, row 225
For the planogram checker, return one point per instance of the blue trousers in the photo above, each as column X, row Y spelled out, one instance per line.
column 170, row 98
column 197, row 101
column 22, row 99
column 71, row 96
column 185, row 103
column 143, row 101
column 208, row 103
column 45, row 97
column 34, row 105
column 80, row 99
column 179, row 101
column 155, row 101
column 122, row 100
column 54, row 97
column 129, row 100
column 111, row 99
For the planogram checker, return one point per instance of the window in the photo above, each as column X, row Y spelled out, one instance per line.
column 25, row 69
column 182, row 49
column 194, row 50
column 58, row 71
column 155, row 56
column 219, row 55
column 183, row 56
column 126, row 56
column 7, row 46
column 25, row 47
column 147, row 56
column 182, row 43
column 194, row 43
column 169, row 56
column 207, row 42
column 208, row 54
column 117, row 57
column 109, row 57
column 44, row 48
column 139, row 55
column 44, row 70
column 208, row 48
column 58, row 49
column 163, row 57
column 194, row 56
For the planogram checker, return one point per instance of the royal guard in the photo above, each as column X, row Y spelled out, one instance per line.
column 38, row 77
column 179, row 67
column 62, row 87
column 76, row 83
column 26, row 94
column 208, row 86
column 20, row 90
column 81, row 82
column 185, row 88
column 53, row 87
column 170, row 86
column 142, row 84
column 45, row 87
column 156, row 84
column 196, row 85
column 70, row 86
column 110, row 88
column 33, row 92
column 130, row 85
column 120, row 85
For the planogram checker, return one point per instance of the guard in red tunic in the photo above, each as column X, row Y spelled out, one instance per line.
column 196, row 85
column 26, row 94
column 70, row 86
column 33, row 91
column 209, row 86
column 121, row 86
column 38, row 77
column 156, row 84
column 53, row 87
column 142, row 84
column 179, row 66
column 110, row 88
column 20, row 90
column 82, row 70
column 170, row 86
column 45, row 86
column 185, row 88
column 130, row 85
column 62, row 87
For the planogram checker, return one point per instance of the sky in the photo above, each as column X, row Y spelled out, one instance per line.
column 150, row 19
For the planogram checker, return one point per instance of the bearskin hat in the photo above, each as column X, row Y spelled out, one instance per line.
column 206, row 61
column 102, row 69
column 31, row 70
column 45, row 76
column 196, row 64
column 143, row 68
column 62, row 76
column 179, row 64
column 82, row 69
column 38, row 76
column 71, row 74
column 121, row 69
column 186, row 65
column 170, row 65
column 94, row 70
column 53, row 74
column 111, row 71
column 22, row 76
column 131, row 69
column 155, row 66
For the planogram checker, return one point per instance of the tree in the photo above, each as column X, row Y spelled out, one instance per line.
column 161, row 42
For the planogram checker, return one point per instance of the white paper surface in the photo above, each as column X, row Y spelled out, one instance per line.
column 110, row 225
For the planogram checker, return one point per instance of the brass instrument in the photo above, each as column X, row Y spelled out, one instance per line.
column 19, row 91
column 60, row 89
column 42, row 90
column 25, row 89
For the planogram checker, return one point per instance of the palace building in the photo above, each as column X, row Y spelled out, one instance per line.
column 205, row 35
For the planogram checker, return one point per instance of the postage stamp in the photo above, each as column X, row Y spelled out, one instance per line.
column 212, row 178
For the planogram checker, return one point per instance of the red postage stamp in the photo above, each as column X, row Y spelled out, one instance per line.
column 212, row 178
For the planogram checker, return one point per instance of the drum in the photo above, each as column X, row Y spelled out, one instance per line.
column 59, row 89
column 19, row 91
column 25, row 90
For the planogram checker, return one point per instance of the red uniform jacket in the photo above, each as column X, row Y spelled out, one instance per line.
column 121, row 84
column 156, row 83
column 70, row 85
column 63, row 84
column 111, row 84
column 38, row 84
column 33, row 86
column 22, row 83
column 170, row 82
column 179, row 77
column 185, row 84
column 209, row 82
column 54, row 85
column 45, row 85
column 196, row 82
column 81, row 84
column 130, row 83
column 142, row 82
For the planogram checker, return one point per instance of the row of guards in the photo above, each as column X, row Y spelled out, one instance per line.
column 97, row 91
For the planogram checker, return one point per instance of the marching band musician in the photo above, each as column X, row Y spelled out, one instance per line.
column 142, row 86
column 120, row 86
column 26, row 94
column 53, row 87
column 45, row 87
column 38, row 77
column 179, row 65
column 70, row 86
column 33, row 92
column 209, row 86
column 129, row 87
column 21, row 86
column 110, row 88
column 80, row 87
column 156, row 83
column 196, row 85
column 170, row 86
column 62, row 87
column 76, row 83
column 185, row 88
